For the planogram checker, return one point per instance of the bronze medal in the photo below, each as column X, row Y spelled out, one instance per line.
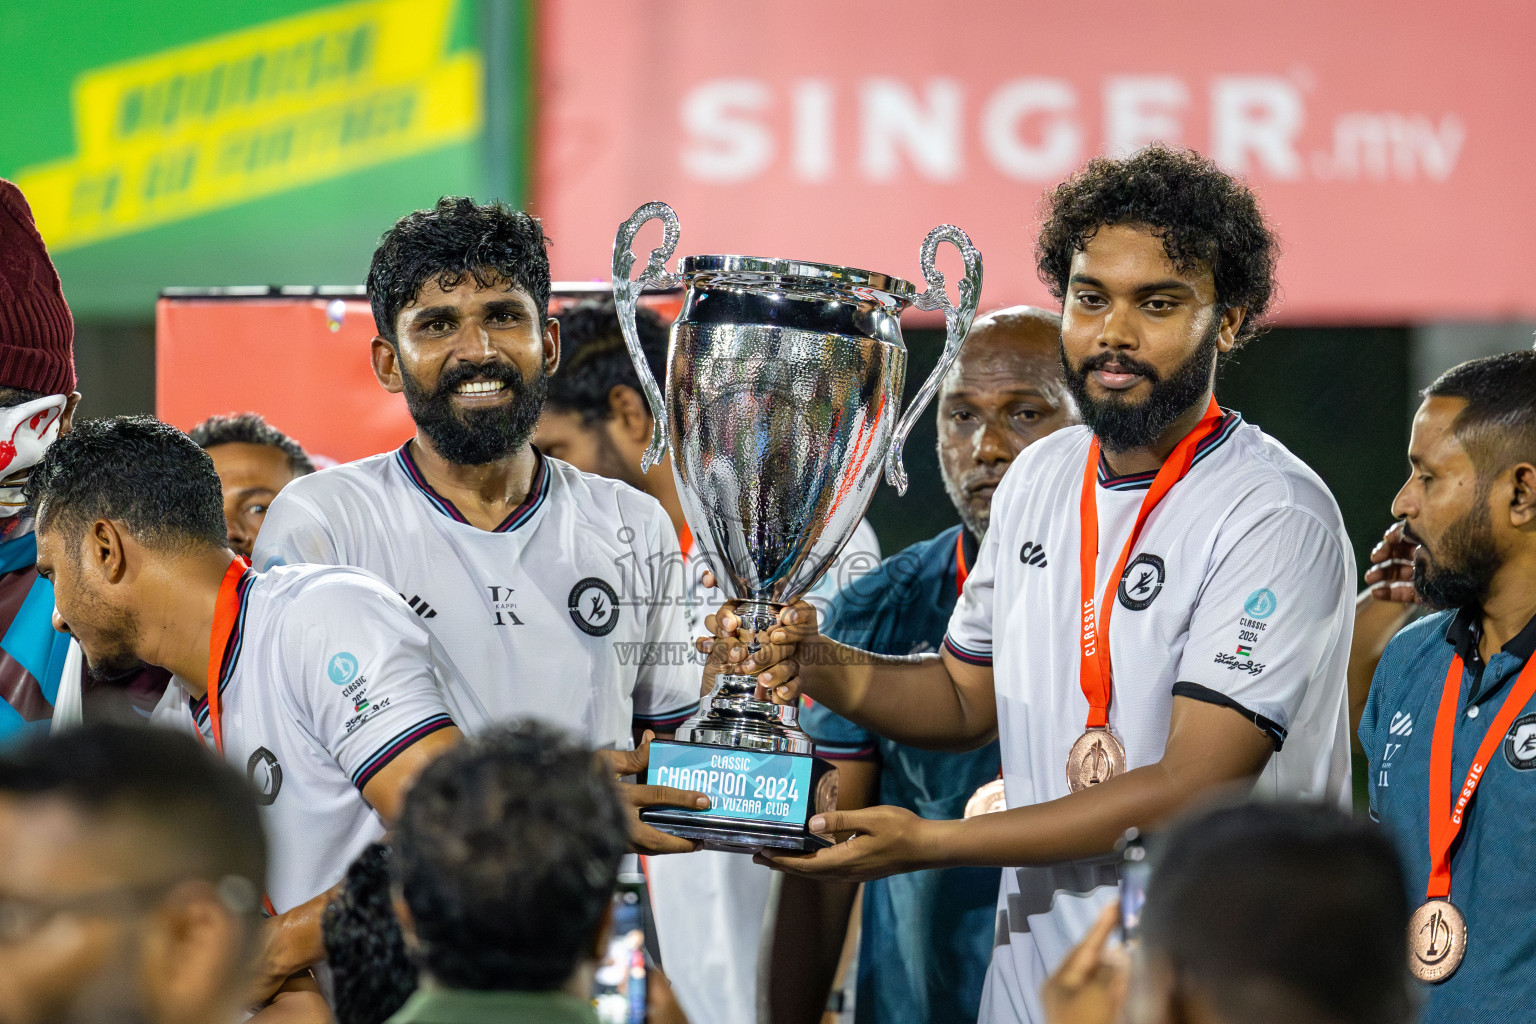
column 988, row 799
column 1096, row 757
column 1437, row 941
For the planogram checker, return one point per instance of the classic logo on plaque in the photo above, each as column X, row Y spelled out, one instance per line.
column 784, row 384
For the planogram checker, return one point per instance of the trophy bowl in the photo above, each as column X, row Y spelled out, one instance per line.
column 782, row 407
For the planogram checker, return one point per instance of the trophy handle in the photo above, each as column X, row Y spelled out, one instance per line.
column 626, row 297
column 957, row 324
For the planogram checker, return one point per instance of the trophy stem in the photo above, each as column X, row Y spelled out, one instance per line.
column 730, row 716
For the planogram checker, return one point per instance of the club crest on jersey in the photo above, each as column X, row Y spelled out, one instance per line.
column 594, row 606
column 1520, row 744
column 342, row 668
column 1142, row 581
column 265, row 774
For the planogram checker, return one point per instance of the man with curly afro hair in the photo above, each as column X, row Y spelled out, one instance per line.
column 1161, row 607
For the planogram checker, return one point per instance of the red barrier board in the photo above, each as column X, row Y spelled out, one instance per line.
column 1388, row 143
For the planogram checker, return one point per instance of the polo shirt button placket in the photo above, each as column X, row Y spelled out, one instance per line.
column 1472, row 711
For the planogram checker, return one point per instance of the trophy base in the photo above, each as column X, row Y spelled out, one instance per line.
column 759, row 799
column 732, row 835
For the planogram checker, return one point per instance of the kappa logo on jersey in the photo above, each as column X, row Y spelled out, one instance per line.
column 1142, row 581
column 342, row 668
column 1401, row 725
column 265, row 774
column 1520, row 744
column 1032, row 554
column 503, row 607
column 594, row 606
column 1261, row 604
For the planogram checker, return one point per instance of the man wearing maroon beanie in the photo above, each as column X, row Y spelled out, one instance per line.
column 37, row 402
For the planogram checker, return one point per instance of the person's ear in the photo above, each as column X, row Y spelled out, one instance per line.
column 604, row 933
column 386, row 364
column 67, row 418
column 629, row 414
column 192, row 957
column 1231, row 323
column 551, row 345
column 107, row 550
column 1522, row 504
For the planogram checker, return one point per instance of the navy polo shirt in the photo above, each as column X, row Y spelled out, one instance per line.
column 1491, row 862
column 927, row 935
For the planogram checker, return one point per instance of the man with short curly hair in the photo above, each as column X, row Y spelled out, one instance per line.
column 539, row 580
column 1222, row 558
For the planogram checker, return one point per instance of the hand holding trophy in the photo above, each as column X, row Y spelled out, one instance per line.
column 784, row 380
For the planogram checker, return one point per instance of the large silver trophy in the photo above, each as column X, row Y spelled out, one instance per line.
column 784, row 385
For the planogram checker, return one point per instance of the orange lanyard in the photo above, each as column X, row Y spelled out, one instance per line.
column 1445, row 819
column 1094, row 674
column 685, row 540
column 225, row 611
column 961, row 570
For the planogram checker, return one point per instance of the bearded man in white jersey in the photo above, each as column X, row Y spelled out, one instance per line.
column 318, row 682
column 537, row 578
column 1222, row 558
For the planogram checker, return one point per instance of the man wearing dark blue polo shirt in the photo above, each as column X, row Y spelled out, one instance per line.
column 926, row 936
column 1450, row 727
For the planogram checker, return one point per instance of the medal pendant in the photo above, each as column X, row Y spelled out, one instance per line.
column 1437, row 941
column 1096, row 757
column 987, row 799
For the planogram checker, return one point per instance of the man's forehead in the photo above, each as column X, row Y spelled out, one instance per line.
column 1434, row 427
column 997, row 358
column 468, row 291
column 1133, row 254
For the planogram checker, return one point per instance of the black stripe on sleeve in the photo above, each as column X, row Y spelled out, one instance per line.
column 1195, row 691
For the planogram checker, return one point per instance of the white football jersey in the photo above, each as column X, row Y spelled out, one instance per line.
column 710, row 906
column 327, row 677
column 1239, row 592
column 562, row 613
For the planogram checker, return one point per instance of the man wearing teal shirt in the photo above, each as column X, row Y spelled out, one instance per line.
column 505, row 859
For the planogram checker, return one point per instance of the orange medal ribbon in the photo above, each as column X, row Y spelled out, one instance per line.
column 225, row 611
column 1095, row 675
column 961, row 569
column 1446, row 818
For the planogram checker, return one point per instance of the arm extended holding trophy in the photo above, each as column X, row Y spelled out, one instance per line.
column 941, row 702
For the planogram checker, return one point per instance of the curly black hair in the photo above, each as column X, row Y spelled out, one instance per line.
column 507, row 853
column 594, row 358
column 1203, row 214
column 145, row 474
column 372, row 975
column 251, row 428
column 458, row 238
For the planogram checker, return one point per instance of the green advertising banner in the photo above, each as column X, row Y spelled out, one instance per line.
column 177, row 142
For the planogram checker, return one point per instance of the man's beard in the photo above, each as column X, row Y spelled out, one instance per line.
column 109, row 656
column 1121, row 425
column 1462, row 574
column 974, row 515
column 477, row 436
